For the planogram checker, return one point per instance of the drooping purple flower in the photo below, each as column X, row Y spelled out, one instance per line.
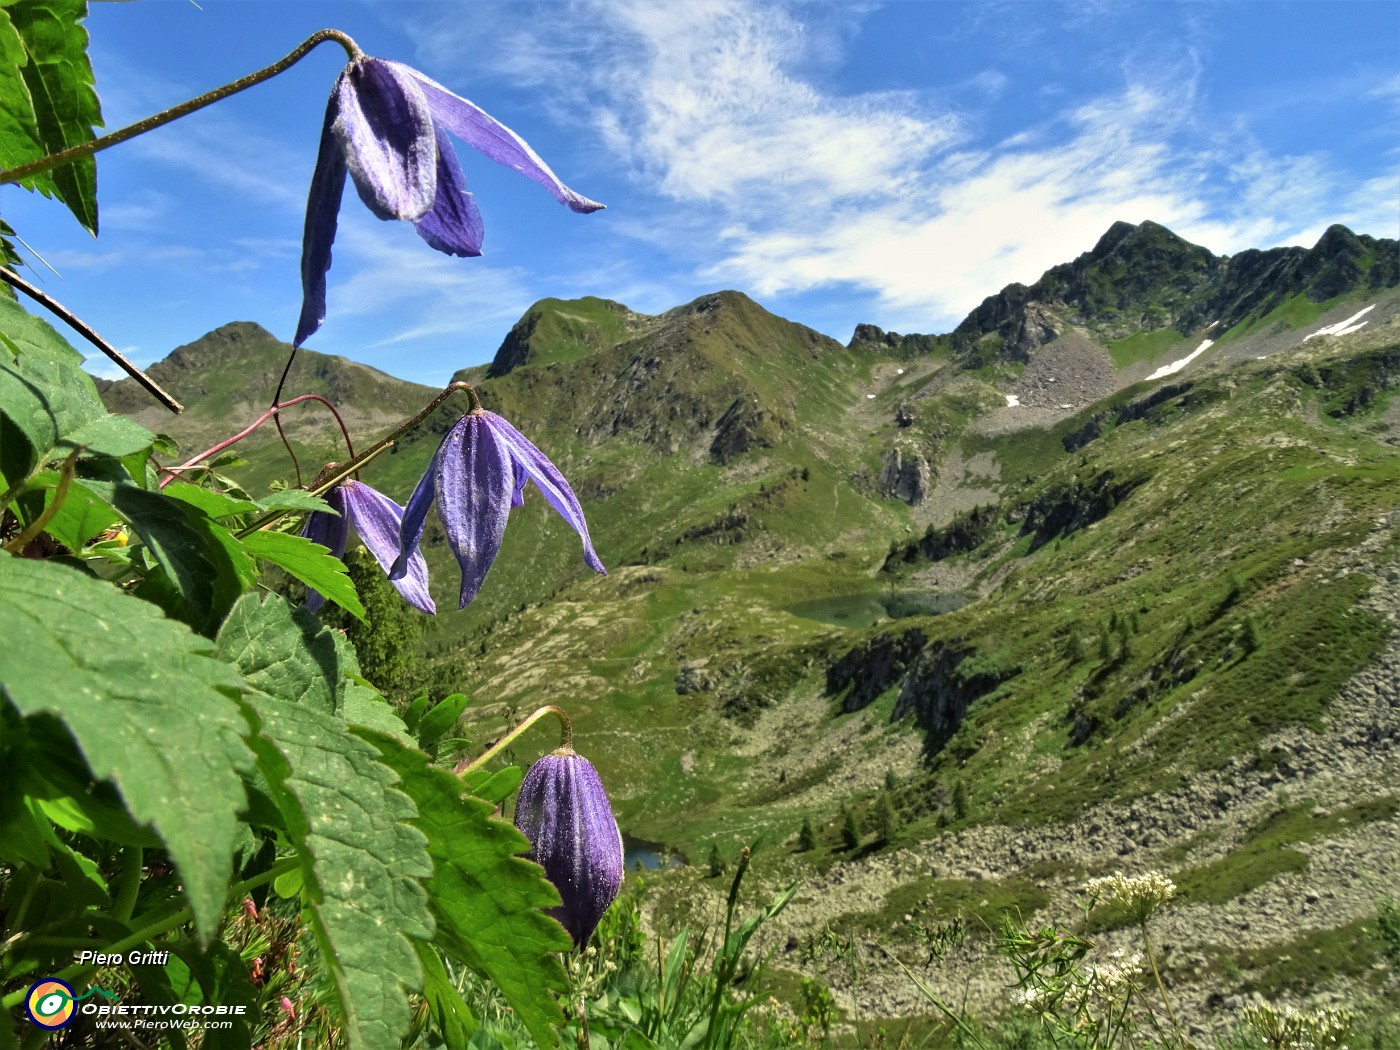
column 386, row 125
column 563, row 810
column 377, row 519
column 477, row 474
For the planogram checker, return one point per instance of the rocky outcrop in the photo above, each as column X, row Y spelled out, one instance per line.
column 744, row 426
column 905, row 475
column 872, row 667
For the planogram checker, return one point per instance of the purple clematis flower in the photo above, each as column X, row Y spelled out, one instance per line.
column 477, row 474
column 377, row 519
column 386, row 125
column 563, row 810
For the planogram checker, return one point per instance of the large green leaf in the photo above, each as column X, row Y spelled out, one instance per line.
column 283, row 651
column 149, row 708
column 65, row 109
column 205, row 568
column 488, row 901
column 361, row 862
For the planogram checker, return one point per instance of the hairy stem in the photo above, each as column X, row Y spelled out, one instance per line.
column 102, row 142
column 566, row 741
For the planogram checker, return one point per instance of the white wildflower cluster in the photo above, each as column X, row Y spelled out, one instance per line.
column 1284, row 1028
column 1112, row 979
column 1141, row 895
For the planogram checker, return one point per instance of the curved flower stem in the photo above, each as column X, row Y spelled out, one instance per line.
column 56, row 308
column 102, row 142
column 272, row 412
column 567, row 740
column 374, row 452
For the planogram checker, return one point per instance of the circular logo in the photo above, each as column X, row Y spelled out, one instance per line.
column 50, row 1003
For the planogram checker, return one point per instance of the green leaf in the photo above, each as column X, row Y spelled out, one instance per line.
column 487, row 900
column 80, row 518
column 494, row 787
column 214, row 504
column 440, row 719
column 310, row 563
column 48, row 402
column 294, row 499
column 65, row 107
column 19, row 129
column 147, row 706
column 455, row 1022
column 206, row 567
column 284, row 651
column 361, row 860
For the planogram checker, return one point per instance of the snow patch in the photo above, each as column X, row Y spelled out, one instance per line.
column 1177, row 366
column 1012, row 401
column 1343, row 327
column 870, row 397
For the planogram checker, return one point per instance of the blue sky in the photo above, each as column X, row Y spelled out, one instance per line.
column 841, row 162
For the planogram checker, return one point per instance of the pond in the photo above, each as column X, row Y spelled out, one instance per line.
column 648, row 855
column 870, row 607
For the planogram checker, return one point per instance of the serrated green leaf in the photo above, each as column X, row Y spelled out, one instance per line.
column 284, row 651
column 310, row 563
column 454, row 1018
column 361, row 860
column 148, row 707
column 50, row 401
column 488, row 901
column 19, row 131
column 60, row 82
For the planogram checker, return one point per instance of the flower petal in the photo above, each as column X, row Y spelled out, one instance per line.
column 547, row 478
column 386, row 129
column 474, row 483
column 322, row 209
column 453, row 224
column 415, row 515
column 377, row 519
column 330, row 531
column 484, row 133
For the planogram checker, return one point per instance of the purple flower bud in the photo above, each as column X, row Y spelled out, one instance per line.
column 564, row 812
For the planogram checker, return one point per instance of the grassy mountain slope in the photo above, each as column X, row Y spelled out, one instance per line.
column 1177, row 596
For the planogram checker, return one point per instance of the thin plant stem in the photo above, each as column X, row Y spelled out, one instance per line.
column 96, row 145
column 71, row 319
column 374, row 452
column 567, row 742
column 271, row 413
column 1156, row 976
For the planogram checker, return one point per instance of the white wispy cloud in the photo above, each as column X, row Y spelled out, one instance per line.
column 757, row 172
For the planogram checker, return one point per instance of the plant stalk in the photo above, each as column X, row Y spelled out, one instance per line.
column 96, row 145
column 567, row 742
